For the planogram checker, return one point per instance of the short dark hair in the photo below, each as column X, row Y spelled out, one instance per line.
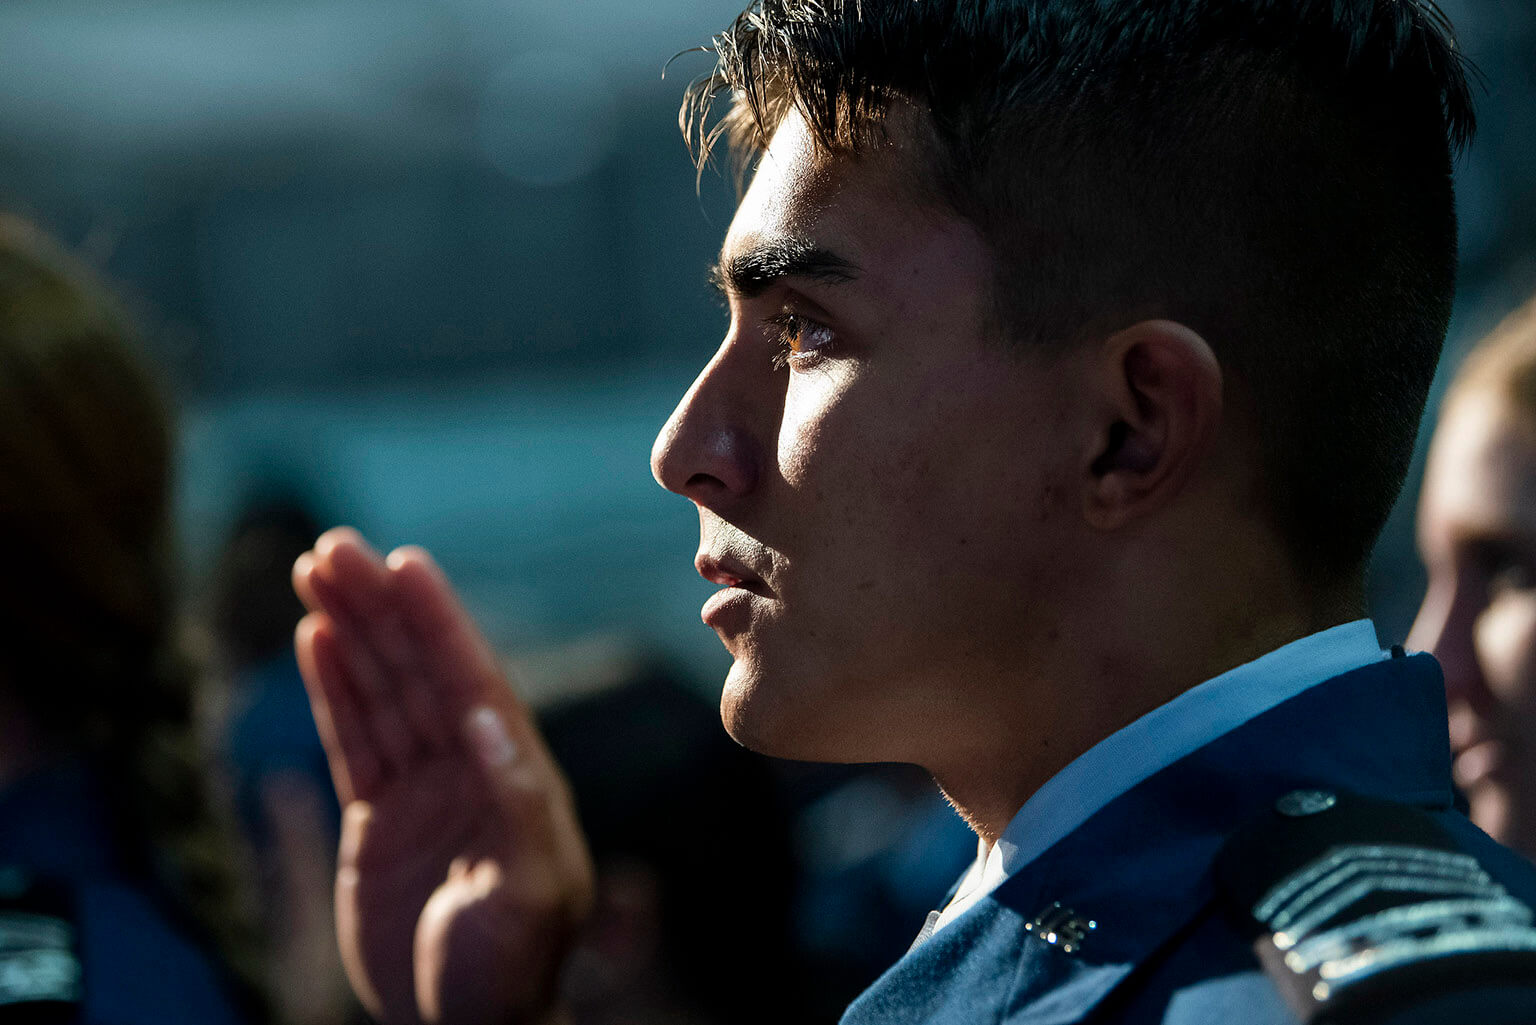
column 1274, row 173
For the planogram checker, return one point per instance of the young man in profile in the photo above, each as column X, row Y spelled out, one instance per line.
column 1076, row 355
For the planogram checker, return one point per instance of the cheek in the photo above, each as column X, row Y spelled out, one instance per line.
column 808, row 406
column 949, row 468
column 845, row 443
column 1506, row 650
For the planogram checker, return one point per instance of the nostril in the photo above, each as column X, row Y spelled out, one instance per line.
column 705, row 452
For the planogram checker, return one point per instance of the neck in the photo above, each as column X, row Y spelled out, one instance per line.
column 1097, row 681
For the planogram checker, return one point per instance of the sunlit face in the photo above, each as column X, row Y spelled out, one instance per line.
column 1477, row 534
column 872, row 467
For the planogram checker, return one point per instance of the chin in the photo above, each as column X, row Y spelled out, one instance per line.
column 785, row 719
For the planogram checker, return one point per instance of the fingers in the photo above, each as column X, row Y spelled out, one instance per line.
column 369, row 687
column 400, row 672
column 386, row 684
column 399, row 656
column 494, row 726
column 455, row 653
column 355, row 766
column 451, row 645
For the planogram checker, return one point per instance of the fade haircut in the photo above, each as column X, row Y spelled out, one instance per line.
column 1276, row 174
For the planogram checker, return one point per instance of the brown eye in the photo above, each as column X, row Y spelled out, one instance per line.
column 798, row 339
column 794, row 334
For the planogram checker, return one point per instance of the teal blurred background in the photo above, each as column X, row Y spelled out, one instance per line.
column 439, row 266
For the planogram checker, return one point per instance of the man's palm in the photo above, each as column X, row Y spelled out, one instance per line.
column 463, row 873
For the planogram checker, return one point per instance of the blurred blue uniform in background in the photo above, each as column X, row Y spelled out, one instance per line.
column 83, row 934
column 272, row 735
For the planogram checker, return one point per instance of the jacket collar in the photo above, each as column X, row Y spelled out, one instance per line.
column 1140, row 868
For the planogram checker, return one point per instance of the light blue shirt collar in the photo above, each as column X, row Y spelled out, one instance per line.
column 1178, row 728
column 1158, row 739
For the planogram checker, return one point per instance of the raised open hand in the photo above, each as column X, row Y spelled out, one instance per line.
column 463, row 873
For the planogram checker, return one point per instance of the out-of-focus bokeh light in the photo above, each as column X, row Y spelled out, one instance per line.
column 521, row 137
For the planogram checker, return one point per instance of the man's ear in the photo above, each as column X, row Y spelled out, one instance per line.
column 1160, row 402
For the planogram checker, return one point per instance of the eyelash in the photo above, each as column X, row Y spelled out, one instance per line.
column 790, row 329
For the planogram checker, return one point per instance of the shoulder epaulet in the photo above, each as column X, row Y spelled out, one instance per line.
column 1357, row 905
column 40, row 976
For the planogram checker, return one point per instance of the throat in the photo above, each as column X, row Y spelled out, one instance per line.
column 987, row 819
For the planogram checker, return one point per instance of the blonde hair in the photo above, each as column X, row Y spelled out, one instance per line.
column 1502, row 366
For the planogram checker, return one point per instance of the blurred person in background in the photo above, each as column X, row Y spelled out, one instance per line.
column 842, row 858
column 1477, row 535
column 274, row 758
column 676, row 815
column 120, row 898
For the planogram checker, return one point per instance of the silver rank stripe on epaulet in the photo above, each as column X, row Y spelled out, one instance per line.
column 1463, row 911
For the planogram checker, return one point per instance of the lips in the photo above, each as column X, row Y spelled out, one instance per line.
column 728, row 571
column 729, row 610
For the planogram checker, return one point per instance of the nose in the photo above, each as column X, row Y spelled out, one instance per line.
column 1446, row 628
column 709, row 450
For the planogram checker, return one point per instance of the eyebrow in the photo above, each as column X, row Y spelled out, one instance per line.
column 752, row 272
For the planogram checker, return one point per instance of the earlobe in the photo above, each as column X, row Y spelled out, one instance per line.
column 1160, row 390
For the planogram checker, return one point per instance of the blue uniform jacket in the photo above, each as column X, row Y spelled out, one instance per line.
column 1166, row 946
column 77, row 928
